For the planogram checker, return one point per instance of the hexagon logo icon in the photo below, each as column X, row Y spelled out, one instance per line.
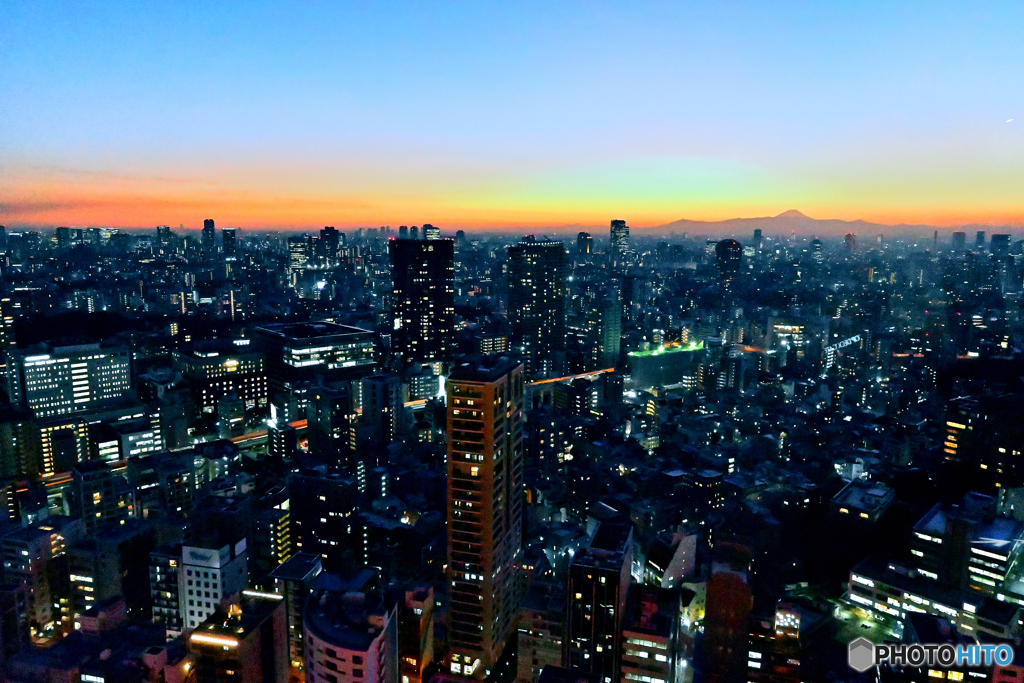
column 861, row 655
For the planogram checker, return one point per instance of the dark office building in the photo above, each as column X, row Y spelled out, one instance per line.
column 13, row 619
column 163, row 236
column 19, row 443
column 229, row 243
column 329, row 420
column 979, row 239
column 294, row 580
column 596, row 600
column 282, row 441
column 728, row 258
column 329, row 243
column 959, row 241
column 584, row 244
column 99, row 496
column 209, row 237
column 323, row 517
column 423, row 298
column 602, row 323
column 113, row 562
column 1000, row 245
column 164, row 586
column 536, row 302
column 382, row 410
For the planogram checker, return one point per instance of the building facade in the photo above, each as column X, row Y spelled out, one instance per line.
column 423, row 298
column 68, row 379
column 536, row 302
column 485, row 493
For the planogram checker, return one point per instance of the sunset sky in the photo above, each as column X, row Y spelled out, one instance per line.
column 482, row 115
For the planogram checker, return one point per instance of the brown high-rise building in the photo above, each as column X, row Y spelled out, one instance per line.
column 727, row 613
column 485, row 498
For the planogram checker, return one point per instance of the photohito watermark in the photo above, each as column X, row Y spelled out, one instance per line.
column 863, row 655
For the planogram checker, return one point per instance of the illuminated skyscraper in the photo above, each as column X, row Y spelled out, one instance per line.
column 209, row 237
column 229, row 243
column 619, row 241
column 485, row 497
column 816, row 252
column 536, row 301
column 330, row 240
column 163, row 236
column 603, row 327
column 423, row 298
column 297, row 255
column 728, row 258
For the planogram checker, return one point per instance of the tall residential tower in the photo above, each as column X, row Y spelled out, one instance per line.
column 485, row 499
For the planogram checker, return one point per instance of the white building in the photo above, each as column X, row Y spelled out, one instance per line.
column 350, row 637
column 68, row 379
column 209, row 577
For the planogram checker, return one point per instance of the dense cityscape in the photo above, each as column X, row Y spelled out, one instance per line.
column 415, row 455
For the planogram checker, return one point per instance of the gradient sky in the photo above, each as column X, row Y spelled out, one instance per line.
column 477, row 114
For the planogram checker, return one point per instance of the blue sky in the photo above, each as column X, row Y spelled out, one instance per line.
column 508, row 113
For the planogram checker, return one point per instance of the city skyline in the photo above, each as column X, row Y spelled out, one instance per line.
column 511, row 343
column 509, row 118
column 787, row 225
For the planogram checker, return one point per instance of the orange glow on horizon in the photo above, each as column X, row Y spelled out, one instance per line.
column 45, row 199
column 46, row 210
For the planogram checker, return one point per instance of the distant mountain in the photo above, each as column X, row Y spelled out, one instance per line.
column 793, row 221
